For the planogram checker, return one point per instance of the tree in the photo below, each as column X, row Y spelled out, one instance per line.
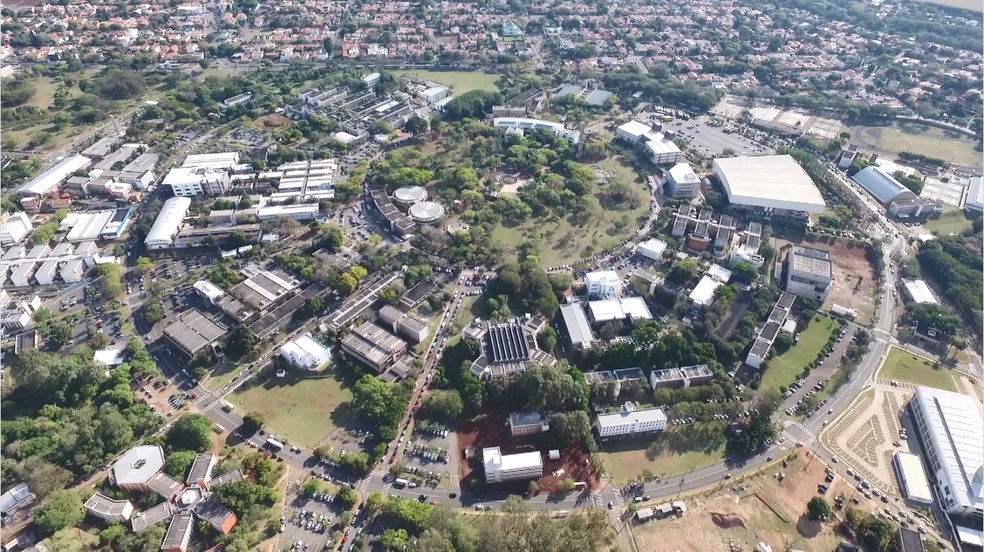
column 240, row 343
column 443, row 404
column 565, row 485
column 346, row 497
column 191, row 432
column 311, row 488
column 43, row 477
column 533, row 488
column 241, row 496
column 683, row 271
column 568, row 427
column 744, row 272
column 253, row 421
column 416, row 125
column 178, row 463
column 59, row 510
column 784, row 342
column 818, row 509
column 395, row 539
column 547, row 339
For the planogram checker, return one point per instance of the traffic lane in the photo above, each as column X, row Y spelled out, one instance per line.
column 709, row 475
column 538, row 502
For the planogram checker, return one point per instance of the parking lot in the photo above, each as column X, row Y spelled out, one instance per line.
column 308, row 522
column 427, row 457
column 816, row 382
column 709, row 137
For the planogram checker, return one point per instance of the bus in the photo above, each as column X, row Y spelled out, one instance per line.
column 666, row 118
column 400, row 482
column 274, row 445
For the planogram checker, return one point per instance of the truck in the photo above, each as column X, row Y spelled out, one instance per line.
column 399, row 482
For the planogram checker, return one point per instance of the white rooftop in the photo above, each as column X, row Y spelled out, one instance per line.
column 494, row 460
column 607, row 310
column 601, row 276
column 636, row 308
column 915, row 477
column 683, row 172
column 47, row 181
column 954, row 427
column 109, row 357
column 306, row 352
column 138, row 464
column 652, row 248
column 919, row 291
column 703, row 293
column 719, row 273
column 770, row 181
column 624, row 416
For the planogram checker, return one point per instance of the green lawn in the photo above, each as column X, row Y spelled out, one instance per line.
column 903, row 366
column 561, row 243
column 784, row 368
column 679, row 449
column 953, row 222
column 929, row 141
column 459, row 81
column 44, row 92
column 300, row 409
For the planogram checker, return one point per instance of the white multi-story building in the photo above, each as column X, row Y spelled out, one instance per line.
column 651, row 141
column 17, row 227
column 192, row 181
column 682, row 181
column 510, row 467
column 949, row 426
column 809, row 272
column 604, row 284
column 629, row 421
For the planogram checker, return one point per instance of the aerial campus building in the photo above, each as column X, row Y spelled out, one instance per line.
column 630, row 421
column 900, row 201
column 652, row 142
column 306, row 353
column 168, row 223
column 809, row 272
column 520, row 125
column 510, row 467
column 774, row 183
column 949, row 427
column 507, row 348
column 974, row 200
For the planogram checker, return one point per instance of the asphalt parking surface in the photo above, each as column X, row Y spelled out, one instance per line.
column 712, row 140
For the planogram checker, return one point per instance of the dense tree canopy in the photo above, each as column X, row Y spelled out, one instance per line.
column 191, row 432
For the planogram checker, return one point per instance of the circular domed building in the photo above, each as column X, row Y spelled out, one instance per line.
column 409, row 195
column 426, row 211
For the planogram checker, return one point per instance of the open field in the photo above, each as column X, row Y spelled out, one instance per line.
column 971, row 5
column 561, row 243
column 753, row 510
column 299, row 409
column 784, row 368
column 679, row 449
column 44, row 92
column 931, row 141
column 952, row 222
column 903, row 366
column 855, row 280
column 459, row 81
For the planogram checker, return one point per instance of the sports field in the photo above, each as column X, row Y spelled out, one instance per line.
column 297, row 408
column 459, row 81
column 784, row 368
column 952, row 222
column 929, row 141
column 904, row 366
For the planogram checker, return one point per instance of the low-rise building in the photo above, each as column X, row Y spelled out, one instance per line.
column 651, row 141
column 507, row 348
column 919, row 292
column 306, row 353
column 168, row 223
column 687, row 376
column 193, row 332
column 527, row 423
column 374, row 346
column 107, row 509
column 652, row 249
column 404, row 324
column 682, row 182
column 630, row 421
column 510, row 467
column 809, row 272
column 604, row 284
column 178, row 535
column 15, row 499
column 134, row 469
column 15, row 229
column 578, row 328
column 768, row 331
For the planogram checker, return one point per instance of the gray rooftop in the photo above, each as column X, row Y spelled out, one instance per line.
column 179, row 532
column 164, row 485
column 525, row 419
column 228, row 477
column 146, row 518
column 576, row 322
column 201, row 469
column 193, row 331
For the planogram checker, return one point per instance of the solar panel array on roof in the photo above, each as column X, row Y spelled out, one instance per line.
column 770, row 331
column 506, row 343
column 627, row 374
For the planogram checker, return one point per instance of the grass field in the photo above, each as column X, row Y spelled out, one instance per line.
column 971, row 5
column 679, row 449
column 44, row 92
column 459, row 81
column 931, row 141
column 953, row 222
column 561, row 243
column 299, row 409
column 903, row 366
column 784, row 368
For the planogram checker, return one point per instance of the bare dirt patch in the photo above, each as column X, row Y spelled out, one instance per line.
column 758, row 509
column 270, row 121
column 855, row 281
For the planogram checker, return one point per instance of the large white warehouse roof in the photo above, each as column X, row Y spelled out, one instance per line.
column 47, row 181
column 951, row 426
column 168, row 221
column 769, row 181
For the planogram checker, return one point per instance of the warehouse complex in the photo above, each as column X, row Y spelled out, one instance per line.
column 949, row 427
column 773, row 183
column 896, row 198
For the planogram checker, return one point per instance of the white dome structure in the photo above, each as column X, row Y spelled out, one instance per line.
column 426, row 211
column 409, row 195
